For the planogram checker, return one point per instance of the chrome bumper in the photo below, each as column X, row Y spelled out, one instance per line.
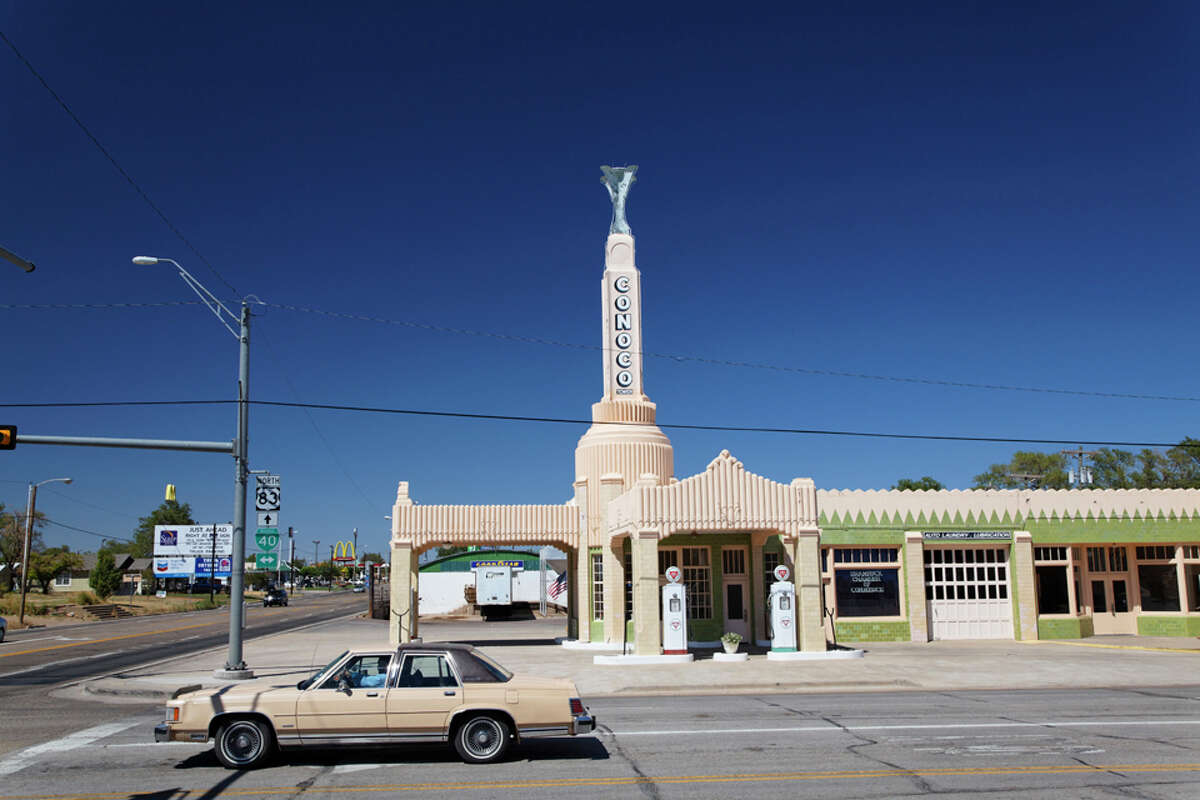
column 584, row 723
column 162, row 733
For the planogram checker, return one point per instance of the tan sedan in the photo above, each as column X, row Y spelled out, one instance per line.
column 415, row 693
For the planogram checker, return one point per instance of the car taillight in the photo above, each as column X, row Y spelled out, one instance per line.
column 172, row 714
column 577, row 706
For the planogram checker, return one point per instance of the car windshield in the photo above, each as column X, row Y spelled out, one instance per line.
column 323, row 669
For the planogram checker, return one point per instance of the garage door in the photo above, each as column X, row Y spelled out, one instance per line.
column 966, row 593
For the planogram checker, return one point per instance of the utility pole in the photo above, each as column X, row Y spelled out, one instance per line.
column 356, row 548
column 316, row 552
column 1081, row 475
column 1031, row 479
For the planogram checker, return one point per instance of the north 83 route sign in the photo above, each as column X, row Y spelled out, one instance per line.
column 266, row 493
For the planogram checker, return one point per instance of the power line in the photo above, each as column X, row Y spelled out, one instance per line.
column 734, row 363
column 262, row 329
column 66, row 496
column 91, row 306
column 580, row 421
column 676, row 357
column 113, row 161
column 85, row 530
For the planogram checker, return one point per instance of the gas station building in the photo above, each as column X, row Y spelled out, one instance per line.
column 868, row 565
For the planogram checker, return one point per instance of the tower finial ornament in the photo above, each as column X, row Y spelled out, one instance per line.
column 618, row 180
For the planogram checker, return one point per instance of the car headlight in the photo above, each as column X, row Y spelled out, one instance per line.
column 172, row 714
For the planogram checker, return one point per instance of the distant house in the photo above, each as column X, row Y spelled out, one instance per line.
column 76, row 580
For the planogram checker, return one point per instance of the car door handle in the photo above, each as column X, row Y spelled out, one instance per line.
column 372, row 694
column 449, row 693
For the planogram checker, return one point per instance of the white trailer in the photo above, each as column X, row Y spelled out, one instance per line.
column 493, row 585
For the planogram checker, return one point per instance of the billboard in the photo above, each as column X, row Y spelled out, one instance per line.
column 183, row 551
column 191, row 541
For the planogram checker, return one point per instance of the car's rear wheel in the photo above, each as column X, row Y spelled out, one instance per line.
column 482, row 739
column 244, row 744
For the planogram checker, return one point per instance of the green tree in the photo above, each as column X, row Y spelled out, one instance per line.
column 1113, row 469
column 923, row 484
column 12, row 541
column 372, row 558
column 1181, row 465
column 451, row 550
column 1050, row 470
column 51, row 562
column 105, row 578
column 169, row 513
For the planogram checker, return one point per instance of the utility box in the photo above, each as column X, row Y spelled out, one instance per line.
column 675, row 632
column 783, row 617
column 493, row 586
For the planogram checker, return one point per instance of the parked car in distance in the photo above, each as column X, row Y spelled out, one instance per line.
column 275, row 596
column 415, row 693
column 358, row 587
column 3, row 628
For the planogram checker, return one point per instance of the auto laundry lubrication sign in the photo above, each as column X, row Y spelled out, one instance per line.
column 267, row 544
column 182, row 551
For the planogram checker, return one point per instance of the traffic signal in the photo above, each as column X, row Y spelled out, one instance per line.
column 8, row 437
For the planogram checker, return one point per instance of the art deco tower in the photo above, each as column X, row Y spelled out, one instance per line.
column 623, row 442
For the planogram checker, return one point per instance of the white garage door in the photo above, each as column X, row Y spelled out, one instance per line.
column 966, row 593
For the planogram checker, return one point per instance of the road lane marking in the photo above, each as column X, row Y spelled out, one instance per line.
column 489, row 787
column 832, row 728
column 114, row 638
column 22, row 640
column 30, row 755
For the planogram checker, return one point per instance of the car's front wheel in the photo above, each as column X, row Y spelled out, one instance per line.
column 243, row 744
column 482, row 739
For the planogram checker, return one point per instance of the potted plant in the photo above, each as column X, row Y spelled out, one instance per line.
column 730, row 641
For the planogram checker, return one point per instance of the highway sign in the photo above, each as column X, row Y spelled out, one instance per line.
column 267, row 561
column 268, row 519
column 266, row 493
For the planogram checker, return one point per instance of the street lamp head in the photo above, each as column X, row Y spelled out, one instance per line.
column 145, row 261
column 66, row 480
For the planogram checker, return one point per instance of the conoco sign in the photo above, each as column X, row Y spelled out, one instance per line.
column 782, row 572
column 674, row 574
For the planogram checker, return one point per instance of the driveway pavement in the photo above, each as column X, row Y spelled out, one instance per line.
column 530, row 646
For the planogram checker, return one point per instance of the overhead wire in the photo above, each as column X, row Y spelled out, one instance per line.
column 85, row 530
column 582, row 421
column 733, row 362
column 112, row 160
column 676, row 357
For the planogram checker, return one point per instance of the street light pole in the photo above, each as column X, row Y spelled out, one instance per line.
column 235, row 667
column 30, row 508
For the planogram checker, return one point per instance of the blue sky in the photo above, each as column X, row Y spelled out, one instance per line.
column 948, row 192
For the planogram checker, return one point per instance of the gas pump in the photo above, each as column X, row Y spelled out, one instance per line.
column 674, row 610
column 783, row 612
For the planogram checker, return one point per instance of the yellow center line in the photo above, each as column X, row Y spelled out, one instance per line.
column 618, row 781
column 113, row 638
column 1116, row 646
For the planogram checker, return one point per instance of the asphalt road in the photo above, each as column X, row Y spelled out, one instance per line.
column 1042, row 744
column 36, row 664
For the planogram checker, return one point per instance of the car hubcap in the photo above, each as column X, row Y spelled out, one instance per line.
column 242, row 743
column 483, row 738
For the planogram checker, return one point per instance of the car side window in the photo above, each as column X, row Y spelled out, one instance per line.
column 360, row 672
column 424, row 671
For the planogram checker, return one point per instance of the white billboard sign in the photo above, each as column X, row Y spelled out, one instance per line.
column 190, row 541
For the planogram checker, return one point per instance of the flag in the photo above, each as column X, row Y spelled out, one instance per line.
column 558, row 587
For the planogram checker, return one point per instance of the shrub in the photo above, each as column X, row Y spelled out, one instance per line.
column 105, row 578
column 732, row 638
column 85, row 599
